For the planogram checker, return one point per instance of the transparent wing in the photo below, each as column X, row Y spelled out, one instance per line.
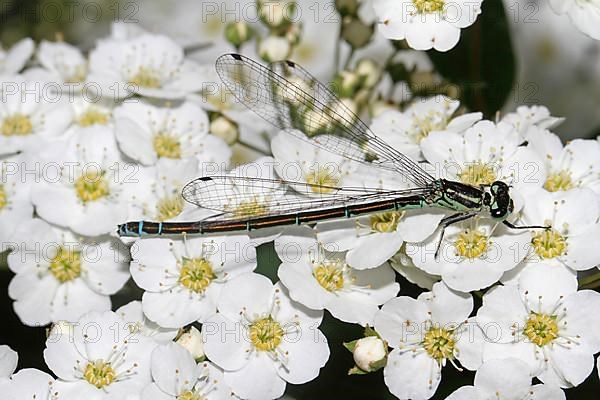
column 291, row 99
column 244, row 197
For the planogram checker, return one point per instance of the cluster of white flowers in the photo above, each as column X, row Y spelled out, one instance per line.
column 89, row 141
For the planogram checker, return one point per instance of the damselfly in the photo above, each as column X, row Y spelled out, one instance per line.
column 288, row 97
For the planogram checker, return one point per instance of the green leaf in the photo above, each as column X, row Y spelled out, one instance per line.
column 482, row 63
column 356, row 371
column 350, row 345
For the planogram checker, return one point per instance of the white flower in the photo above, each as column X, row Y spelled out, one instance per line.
column 8, row 361
column 29, row 384
column 426, row 24
column 193, row 342
column 29, row 117
column 298, row 160
column 86, row 195
column 99, row 358
column 15, row 203
column 368, row 351
column 404, row 265
column 544, row 321
column 13, row 60
column 526, row 117
column 177, row 376
column 426, row 333
column 573, row 219
column 473, row 255
column 157, row 194
column 321, row 279
column 386, row 231
column 88, row 113
column 484, row 153
column 575, row 165
column 585, row 15
column 274, row 48
column 60, row 276
column 183, row 279
column 65, row 62
column 132, row 314
column 262, row 339
column 405, row 130
column 149, row 65
column 506, row 379
column 147, row 133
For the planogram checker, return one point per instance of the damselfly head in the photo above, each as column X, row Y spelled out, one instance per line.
column 498, row 200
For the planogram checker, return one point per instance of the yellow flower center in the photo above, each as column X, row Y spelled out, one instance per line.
column 167, row 145
column 265, row 334
column 189, row 395
column 386, row 222
column 91, row 186
column 250, row 208
column 3, row 197
column 439, row 343
column 559, row 181
column 541, row 329
column 471, row 243
column 16, row 125
column 146, row 77
column 329, row 275
column 66, row 265
column 196, row 274
column 99, row 373
column 92, row 117
column 428, row 6
column 169, row 207
column 478, row 174
column 426, row 125
column 549, row 243
column 77, row 76
column 323, row 179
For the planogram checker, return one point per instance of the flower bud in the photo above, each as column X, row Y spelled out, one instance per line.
column 276, row 14
column 337, row 112
column 226, row 129
column 370, row 353
column 346, row 83
column 274, row 48
column 294, row 34
column 315, row 123
column 356, row 33
column 238, row 33
column 192, row 342
column 369, row 70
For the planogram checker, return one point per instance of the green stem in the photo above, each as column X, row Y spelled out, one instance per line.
column 338, row 48
column 347, row 63
column 253, row 147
